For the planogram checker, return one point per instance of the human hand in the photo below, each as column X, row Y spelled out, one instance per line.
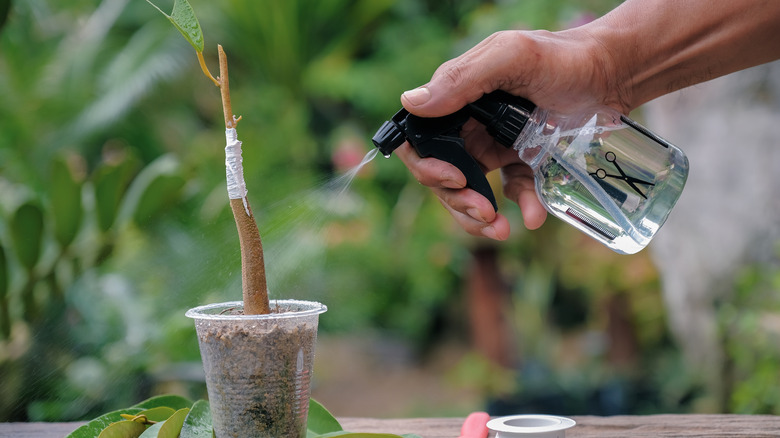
column 536, row 65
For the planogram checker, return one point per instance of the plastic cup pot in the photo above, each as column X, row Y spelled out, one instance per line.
column 258, row 367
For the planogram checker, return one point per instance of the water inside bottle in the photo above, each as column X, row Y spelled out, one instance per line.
column 614, row 181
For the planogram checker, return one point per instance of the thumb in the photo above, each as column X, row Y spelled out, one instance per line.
column 462, row 80
column 446, row 93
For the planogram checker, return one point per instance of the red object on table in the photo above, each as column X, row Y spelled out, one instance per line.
column 475, row 425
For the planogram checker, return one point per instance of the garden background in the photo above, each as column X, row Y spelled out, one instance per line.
column 114, row 220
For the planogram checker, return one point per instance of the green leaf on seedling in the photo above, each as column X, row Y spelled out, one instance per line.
column 184, row 19
column 123, row 429
column 198, row 421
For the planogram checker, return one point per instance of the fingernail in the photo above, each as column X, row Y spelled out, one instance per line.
column 490, row 232
column 418, row 96
column 474, row 213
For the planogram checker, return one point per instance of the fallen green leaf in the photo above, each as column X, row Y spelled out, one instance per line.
column 172, row 426
column 184, row 19
column 320, row 421
column 153, row 431
column 123, row 429
column 174, row 402
column 198, row 421
column 158, row 414
column 95, row 426
column 195, row 422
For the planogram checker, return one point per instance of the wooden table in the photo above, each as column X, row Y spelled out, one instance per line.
column 710, row 426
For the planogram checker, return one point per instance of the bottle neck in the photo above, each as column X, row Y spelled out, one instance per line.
column 530, row 145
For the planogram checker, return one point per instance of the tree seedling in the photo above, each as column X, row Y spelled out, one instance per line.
column 253, row 279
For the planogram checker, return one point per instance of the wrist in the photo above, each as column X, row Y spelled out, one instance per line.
column 612, row 71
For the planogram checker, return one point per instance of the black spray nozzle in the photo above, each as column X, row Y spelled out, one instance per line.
column 504, row 116
column 391, row 134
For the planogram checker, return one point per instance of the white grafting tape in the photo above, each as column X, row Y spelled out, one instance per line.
column 236, row 186
column 530, row 426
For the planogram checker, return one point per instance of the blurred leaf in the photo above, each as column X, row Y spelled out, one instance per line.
column 65, row 195
column 184, row 19
column 5, row 8
column 123, row 429
column 94, row 427
column 5, row 314
column 3, row 273
column 198, row 421
column 157, row 186
column 27, row 234
column 149, row 56
column 111, row 180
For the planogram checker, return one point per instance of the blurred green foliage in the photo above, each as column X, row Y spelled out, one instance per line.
column 114, row 218
column 750, row 326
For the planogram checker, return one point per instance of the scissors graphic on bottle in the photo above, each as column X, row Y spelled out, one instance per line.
column 630, row 180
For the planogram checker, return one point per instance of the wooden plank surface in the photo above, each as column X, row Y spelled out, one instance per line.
column 699, row 426
column 690, row 426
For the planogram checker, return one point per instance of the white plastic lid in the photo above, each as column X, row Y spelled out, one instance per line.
column 530, row 426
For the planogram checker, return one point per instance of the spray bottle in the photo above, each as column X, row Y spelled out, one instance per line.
column 596, row 169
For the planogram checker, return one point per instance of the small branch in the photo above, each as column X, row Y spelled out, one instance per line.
column 255, row 289
column 205, row 68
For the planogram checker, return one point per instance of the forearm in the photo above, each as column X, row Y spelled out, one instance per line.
column 654, row 47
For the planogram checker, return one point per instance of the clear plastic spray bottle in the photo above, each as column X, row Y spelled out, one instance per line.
column 597, row 170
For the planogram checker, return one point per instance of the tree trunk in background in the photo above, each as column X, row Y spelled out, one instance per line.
column 488, row 299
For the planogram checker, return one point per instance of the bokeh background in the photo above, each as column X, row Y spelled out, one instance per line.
column 114, row 220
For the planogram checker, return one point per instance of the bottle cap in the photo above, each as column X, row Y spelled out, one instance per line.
column 503, row 114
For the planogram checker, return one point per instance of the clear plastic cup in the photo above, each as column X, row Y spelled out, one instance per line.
column 258, row 367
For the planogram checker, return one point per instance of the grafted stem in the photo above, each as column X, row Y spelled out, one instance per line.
column 255, row 288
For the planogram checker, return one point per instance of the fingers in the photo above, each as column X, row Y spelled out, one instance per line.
column 520, row 187
column 430, row 171
column 497, row 229
column 472, row 211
